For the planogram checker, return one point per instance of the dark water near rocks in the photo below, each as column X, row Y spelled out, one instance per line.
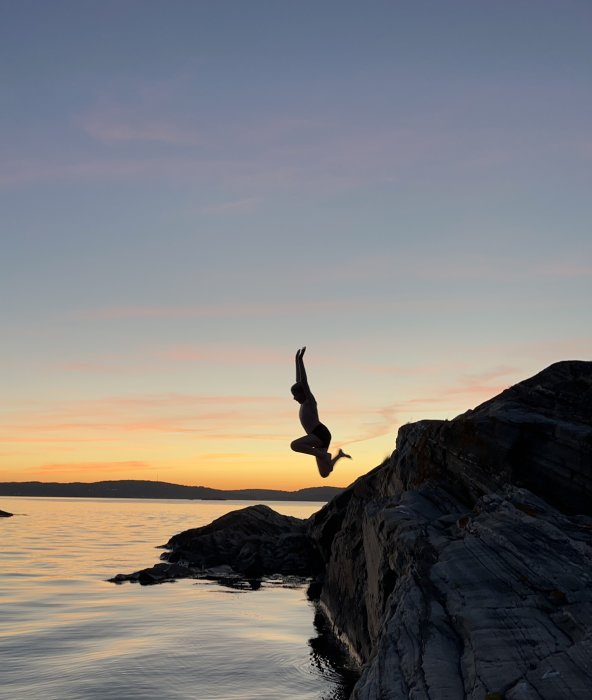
column 68, row 634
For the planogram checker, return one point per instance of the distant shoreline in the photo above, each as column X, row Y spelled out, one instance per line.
column 158, row 489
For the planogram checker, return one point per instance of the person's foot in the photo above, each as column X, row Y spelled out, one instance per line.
column 338, row 456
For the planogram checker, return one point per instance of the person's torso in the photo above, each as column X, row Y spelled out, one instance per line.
column 309, row 415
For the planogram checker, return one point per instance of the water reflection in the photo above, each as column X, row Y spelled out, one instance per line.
column 328, row 657
column 331, row 660
column 66, row 633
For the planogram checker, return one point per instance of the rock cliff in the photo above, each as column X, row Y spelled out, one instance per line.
column 461, row 566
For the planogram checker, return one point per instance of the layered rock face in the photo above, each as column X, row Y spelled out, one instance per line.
column 461, row 567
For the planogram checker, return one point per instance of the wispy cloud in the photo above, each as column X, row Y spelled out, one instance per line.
column 223, row 456
column 151, row 359
column 120, row 125
column 220, row 310
column 447, row 401
column 568, row 269
column 376, row 423
column 94, row 468
column 56, row 169
column 300, row 308
column 461, row 267
column 469, row 391
column 115, row 419
column 222, row 354
column 278, row 153
column 146, row 402
column 146, row 360
column 491, row 375
column 237, row 206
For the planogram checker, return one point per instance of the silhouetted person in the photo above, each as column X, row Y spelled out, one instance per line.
column 318, row 438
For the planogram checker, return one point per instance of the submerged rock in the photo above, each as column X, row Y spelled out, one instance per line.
column 460, row 567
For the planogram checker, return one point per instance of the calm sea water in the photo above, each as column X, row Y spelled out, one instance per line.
column 66, row 633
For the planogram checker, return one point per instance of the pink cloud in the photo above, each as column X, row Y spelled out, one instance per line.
column 488, row 375
column 115, row 419
column 220, row 310
column 492, row 268
column 278, row 154
column 23, row 434
column 120, row 126
column 238, row 206
column 569, row 269
column 223, row 355
column 106, row 363
column 27, row 171
column 383, row 421
column 538, row 353
column 265, row 309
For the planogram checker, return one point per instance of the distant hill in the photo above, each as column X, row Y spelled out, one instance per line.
column 160, row 489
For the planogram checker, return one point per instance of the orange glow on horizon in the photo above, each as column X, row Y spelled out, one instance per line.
column 283, row 470
column 227, row 442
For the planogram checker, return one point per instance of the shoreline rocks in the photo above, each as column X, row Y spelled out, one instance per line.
column 243, row 545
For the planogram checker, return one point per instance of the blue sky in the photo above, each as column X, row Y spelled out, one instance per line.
column 192, row 190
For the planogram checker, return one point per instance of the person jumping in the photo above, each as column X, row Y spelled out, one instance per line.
column 318, row 438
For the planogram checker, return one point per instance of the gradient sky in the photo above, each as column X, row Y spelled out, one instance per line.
column 192, row 189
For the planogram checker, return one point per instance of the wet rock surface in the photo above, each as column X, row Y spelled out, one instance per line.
column 461, row 566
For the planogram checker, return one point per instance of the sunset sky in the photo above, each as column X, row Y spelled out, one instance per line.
column 193, row 189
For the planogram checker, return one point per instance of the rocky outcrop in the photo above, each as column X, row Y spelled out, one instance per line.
column 447, row 577
column 537, row 434
column 4, row 514
column 246, row 544
column 460, row 567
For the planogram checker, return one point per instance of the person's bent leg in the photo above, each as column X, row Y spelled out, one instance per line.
column 307, row 444
column 312, row 445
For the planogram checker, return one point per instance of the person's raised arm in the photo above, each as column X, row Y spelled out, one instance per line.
column 299, row 364
column 301, row 371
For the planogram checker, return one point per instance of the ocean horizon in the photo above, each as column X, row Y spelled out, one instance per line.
column 66, row 633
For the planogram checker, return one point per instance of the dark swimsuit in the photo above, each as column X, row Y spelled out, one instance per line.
column 322, row 432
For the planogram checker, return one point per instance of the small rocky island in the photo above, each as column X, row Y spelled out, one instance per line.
column 461, row 567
